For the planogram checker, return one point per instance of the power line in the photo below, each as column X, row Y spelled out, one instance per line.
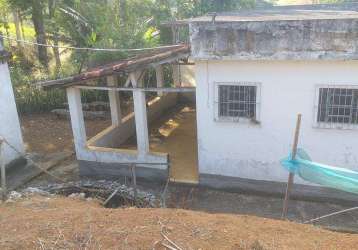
column 84, row 48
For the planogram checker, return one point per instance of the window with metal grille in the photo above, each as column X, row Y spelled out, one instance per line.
column 337, row 105
column 237, row 101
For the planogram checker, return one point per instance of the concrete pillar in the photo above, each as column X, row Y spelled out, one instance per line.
column 160, row 78
column 140, row 79
column 77, row 120
column 114, row 102
column 10, row 128
column 176, row 75
column 140, row 114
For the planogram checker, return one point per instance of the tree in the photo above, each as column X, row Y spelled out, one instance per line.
column 4, row 18
column 53, row 24
column 122, row 11
column 36, row 8
column 38, row 21
column 15, row 15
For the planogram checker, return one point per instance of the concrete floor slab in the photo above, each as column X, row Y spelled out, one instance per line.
column 179, row 140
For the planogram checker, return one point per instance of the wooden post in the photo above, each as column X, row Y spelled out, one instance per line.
column 134, row 176
column 291, row 175
column 3, row 174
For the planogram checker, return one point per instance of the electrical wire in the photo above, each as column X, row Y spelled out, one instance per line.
column 85, row 48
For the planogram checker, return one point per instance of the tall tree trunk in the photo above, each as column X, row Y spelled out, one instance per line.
column 38, row 20
column 122, row 11
column 22, row 27
column 219, row 5
column 15, row 15
column 111, row 3
column 6, row 26
column 56, row 52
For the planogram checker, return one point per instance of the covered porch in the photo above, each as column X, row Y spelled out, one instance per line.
column 114, row 151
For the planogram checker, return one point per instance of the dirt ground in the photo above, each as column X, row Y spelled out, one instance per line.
column 61, row 223
column 173, row 133
column 45, row 133
column 68, row 223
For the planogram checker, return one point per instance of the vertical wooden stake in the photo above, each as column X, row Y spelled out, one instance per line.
column 291, row 175
column 134, row 181
column 3, row 174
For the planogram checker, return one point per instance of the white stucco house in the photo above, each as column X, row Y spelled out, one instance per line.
column 10, row 129
column 254, row 72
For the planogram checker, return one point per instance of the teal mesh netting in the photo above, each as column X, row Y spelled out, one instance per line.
column 334, row 177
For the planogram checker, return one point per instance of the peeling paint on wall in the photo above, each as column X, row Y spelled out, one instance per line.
column 276, row 40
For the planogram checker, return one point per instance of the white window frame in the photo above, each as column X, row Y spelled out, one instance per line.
column 331, row 125
column 219, row 118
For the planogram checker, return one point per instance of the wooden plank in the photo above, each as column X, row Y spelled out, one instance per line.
column 134, row 176
column 164, row 89
column 110, row 197
column 291, row 175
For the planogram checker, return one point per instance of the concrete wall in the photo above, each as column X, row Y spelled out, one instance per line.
column 187, row 80
column 9, row 120
column 115, row 159
column 253, row 151
column 329, row 39
column 114, row 136
column 187, row 75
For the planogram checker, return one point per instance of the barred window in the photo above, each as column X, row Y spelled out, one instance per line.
column 237, row 101
column 337, row 105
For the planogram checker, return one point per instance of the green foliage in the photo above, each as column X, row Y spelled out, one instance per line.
column 29, row 31
column 29, row 98
column 97, row 24
column 185, row 8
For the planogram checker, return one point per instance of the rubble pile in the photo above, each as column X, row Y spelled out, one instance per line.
column 89, row 189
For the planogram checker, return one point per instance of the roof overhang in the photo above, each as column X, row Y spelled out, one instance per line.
column 140, row 62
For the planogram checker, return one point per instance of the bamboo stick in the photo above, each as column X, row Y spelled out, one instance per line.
column 134, row 176
column 291, row 175
column 331, row 214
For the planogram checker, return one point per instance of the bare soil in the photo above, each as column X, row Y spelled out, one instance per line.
column 67, row 223
column 64, row 223
column 45, row 133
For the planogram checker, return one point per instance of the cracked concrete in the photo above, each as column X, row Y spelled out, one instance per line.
column 276, row 35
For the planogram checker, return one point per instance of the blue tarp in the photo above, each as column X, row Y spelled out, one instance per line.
column 329, row 176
